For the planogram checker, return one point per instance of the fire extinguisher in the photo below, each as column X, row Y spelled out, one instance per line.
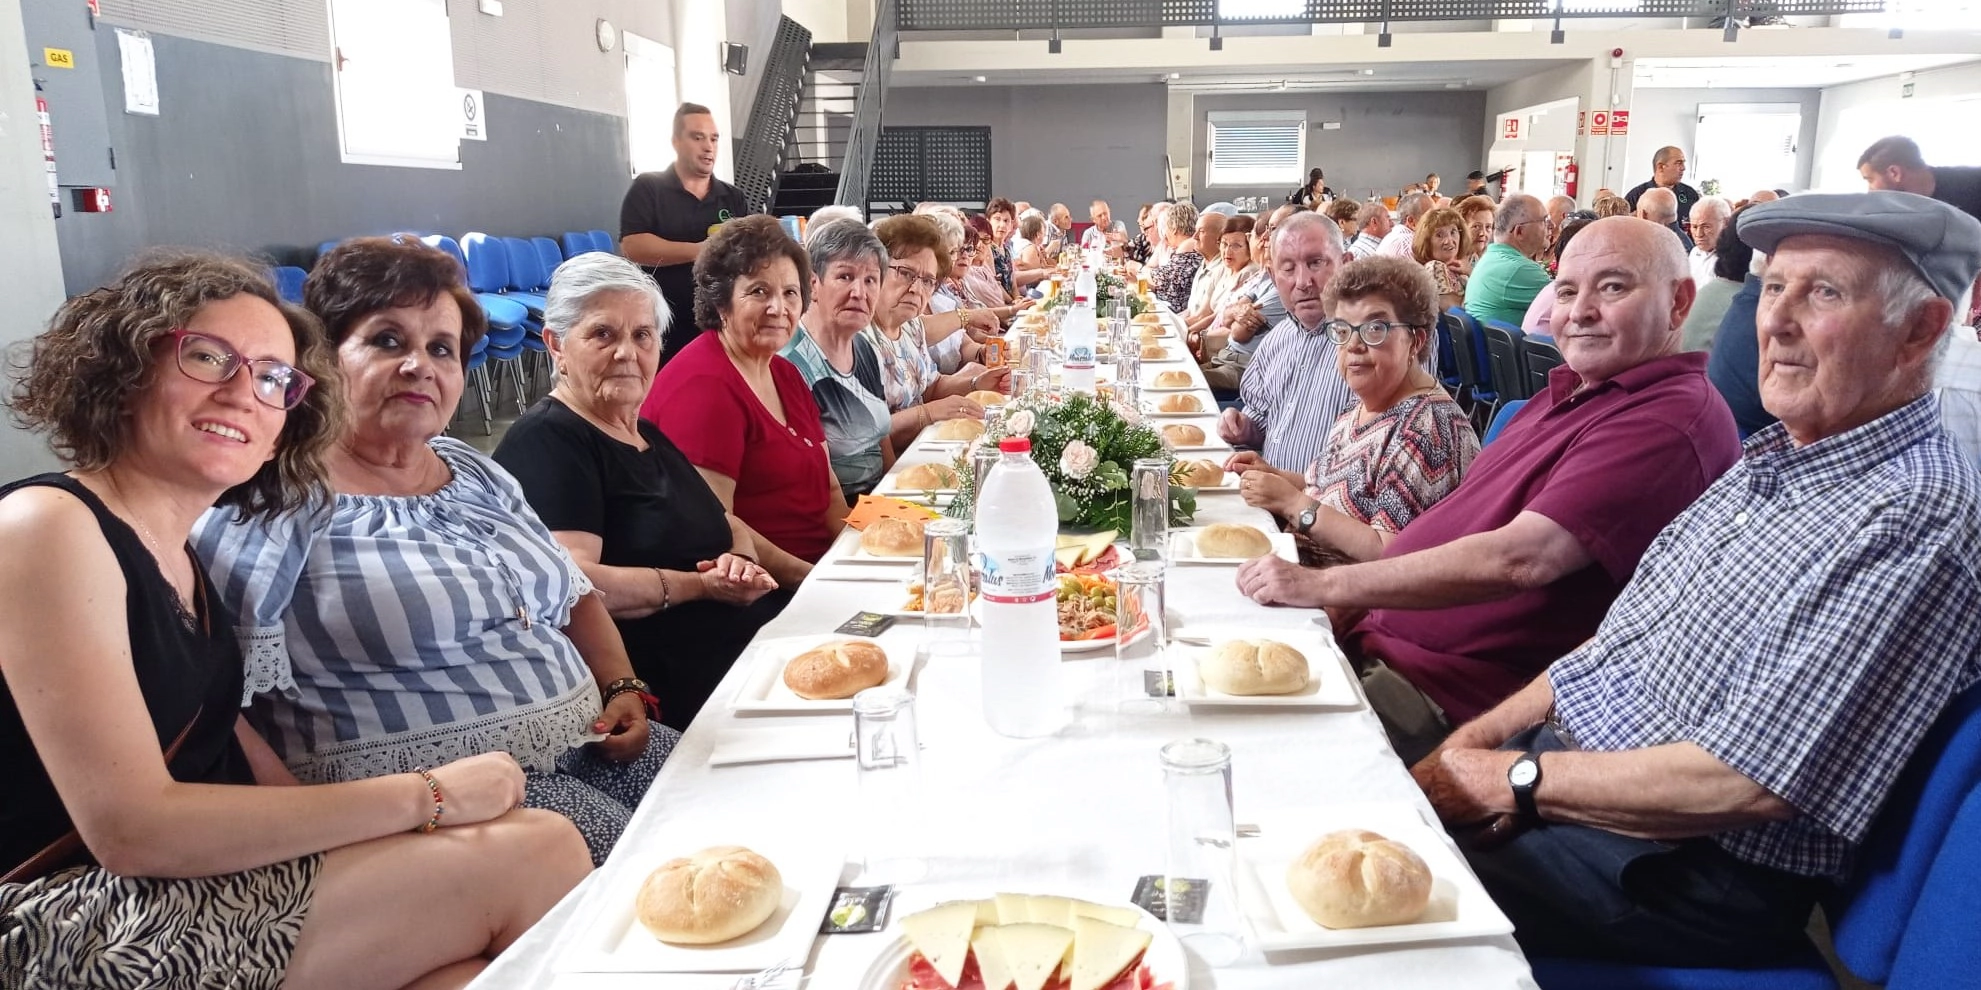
column 48, row 153
column 1568, row 179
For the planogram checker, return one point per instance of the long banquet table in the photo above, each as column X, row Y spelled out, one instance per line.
column 1079, row 813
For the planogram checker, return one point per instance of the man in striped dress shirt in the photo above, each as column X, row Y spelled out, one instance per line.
column 1727, row 739
column 1293, row 390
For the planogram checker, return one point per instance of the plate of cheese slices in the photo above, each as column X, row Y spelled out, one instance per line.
column 1026, row 942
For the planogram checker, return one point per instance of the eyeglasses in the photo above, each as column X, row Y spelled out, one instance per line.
column 1373, row 333
column 927, row 282
column 213, row 361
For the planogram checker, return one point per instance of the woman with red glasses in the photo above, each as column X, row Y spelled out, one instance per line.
column 135, row 849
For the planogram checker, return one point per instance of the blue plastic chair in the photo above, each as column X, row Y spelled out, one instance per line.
column 527, row 278
column 1503, row 359
column 1500, row 419
column 1447, row 359
column 602, row 241
column 502, row 313
column 289, row 282
column 1473, row 365
column 325, row 248
column 577, row 243
column 1873, row 914
column 1940, row 940
column 549, row 256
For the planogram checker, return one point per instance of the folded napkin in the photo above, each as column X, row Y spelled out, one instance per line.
column 783, row 744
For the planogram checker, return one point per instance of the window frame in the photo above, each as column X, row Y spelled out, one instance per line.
column 1237, row 120
column 445, row 97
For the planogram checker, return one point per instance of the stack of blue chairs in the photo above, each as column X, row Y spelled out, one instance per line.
column 289, row 282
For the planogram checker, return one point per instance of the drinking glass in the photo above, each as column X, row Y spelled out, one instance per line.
column 1128, row 394
column 946, row 582
column 1021, row 381
column 1200, row 905
column 1141, row 635
column 1128, row 363
column 1021, row 344
column 1149, row 488
column 888, row 755
column 994, row 414
column 1039, row 362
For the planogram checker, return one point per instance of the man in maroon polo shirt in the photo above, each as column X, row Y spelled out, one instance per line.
column 1517, row 567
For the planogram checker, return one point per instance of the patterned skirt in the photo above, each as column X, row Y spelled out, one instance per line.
column 86, row 927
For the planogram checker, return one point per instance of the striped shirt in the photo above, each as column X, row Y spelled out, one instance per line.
column 1805, row 621
column 386, row 633
column 1293, row 392
column 1387, row 471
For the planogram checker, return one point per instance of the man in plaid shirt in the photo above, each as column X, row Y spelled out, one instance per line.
column 1683, row 787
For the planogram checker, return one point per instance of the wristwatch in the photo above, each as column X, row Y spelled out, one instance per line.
column 1525, row 775
column 633, row 685
column 1308, row 517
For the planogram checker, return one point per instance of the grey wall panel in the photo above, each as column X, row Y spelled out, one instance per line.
column 244, row 157
column 290, row 27
column 1386, row 140
column 1054, row 143
column 76, row 107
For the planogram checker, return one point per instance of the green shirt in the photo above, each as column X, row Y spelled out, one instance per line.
column 1503, row 284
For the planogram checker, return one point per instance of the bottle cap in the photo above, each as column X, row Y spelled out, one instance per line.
column 1015, row 445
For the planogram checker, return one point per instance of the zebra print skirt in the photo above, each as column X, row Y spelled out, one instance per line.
column 88, row 928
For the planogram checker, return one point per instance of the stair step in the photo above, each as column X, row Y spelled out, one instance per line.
column 856, row 50
column 796, row 181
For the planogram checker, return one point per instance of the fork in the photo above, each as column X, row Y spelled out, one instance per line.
column 763, row 980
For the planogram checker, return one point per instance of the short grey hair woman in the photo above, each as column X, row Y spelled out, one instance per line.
column 679, row 573
column 841, row 368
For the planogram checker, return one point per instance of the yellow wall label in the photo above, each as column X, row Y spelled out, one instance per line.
column 58, row 58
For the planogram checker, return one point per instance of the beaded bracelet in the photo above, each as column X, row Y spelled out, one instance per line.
column 666, row 591
column 439, row 806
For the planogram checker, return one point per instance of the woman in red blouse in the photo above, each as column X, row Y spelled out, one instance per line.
column 743, row 415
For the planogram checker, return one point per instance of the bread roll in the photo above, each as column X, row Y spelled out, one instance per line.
column 1358, row 879
column 839, row 669
column 1254, row 666
column 1181, row 402
column 1148, row 316
column 959, row 429
column 1202, row 474
column 986, row 397
column 1173, row 379
column 1183, row 434
column 893, row 538
column 1232, row 540
column 1154, row 352
column 927, row 477
column 720, row 893
column 1149, row 333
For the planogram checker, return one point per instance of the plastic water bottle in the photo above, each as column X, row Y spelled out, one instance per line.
column 1016, row 530
column 1080, row 334
column 1087, row 285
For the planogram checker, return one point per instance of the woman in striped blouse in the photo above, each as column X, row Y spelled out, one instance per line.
column 423, row 611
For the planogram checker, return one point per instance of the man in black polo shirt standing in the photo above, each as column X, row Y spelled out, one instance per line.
column 667, row 215
column 1895, row 163
column 1667, row 168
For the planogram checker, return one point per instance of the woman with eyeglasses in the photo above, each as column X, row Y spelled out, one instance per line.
column 1403, row 446
column 135, row 846
column 916, row 389
column 419, row 609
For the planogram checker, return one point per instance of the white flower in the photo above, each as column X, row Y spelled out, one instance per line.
column 1078, row 460
column 1018, row 424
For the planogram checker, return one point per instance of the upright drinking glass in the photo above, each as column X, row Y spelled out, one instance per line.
column 1149, row 488
column 888, row 754
column 1021, row 381
column 1201, row 907
column 1128, row 363
column 1142, row 661
column 1128, row 394
column 946, row 583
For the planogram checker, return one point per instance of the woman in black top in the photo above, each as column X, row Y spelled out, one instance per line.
column 135, row 849
column 678, row 572
column 1315, row 194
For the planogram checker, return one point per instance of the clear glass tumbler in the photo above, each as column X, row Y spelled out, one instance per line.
column 1201, row 906
column 1128, row 363
column 1021, row 381
column 946, row 583
column 1128, row 394
column 1141, row 639
column 1148, row 486
column 888, row 753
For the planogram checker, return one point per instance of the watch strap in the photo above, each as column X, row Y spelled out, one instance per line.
column 1523, row 795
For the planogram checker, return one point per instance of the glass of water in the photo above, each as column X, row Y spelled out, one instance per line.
column 946, row 583
column 1199, row 903
column 1141, row 638
column 888, row 754
column 1149, row 490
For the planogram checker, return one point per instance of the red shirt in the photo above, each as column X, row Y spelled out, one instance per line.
column 1612, row 466
column 783, row 480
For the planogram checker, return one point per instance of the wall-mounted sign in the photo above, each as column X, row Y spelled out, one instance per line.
column 474, row 123
column 58, row 58
column 1599, row 123
column 1511, row 129
column 1619, row 122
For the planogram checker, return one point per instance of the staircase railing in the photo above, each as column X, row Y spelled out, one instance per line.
column 760, row 153
column 865, row 132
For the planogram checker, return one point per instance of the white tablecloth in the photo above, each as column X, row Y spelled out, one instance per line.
column 1078, row 813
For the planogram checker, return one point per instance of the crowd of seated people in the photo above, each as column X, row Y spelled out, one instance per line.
column 1532, row 622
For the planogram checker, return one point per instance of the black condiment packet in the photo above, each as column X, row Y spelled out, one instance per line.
column 857, row 909
column 1159, row 684
column 1187, row 900
column 865, row 624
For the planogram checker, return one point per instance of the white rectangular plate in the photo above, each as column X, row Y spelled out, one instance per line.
column 1229, row 484
column 1202, row 421
column 1170, row 355
column 1460, row 908
column 763, row 691
column 1328, row 684
column 1155, row 411
column 616, row 942
column 1183, row 548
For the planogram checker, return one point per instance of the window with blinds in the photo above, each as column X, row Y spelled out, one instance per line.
column 1257, row 148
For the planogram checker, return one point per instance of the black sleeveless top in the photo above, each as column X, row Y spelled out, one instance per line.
column 183, row 671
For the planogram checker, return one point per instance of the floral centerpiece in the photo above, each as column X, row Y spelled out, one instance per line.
column 1087, row 450
column 1109, row 287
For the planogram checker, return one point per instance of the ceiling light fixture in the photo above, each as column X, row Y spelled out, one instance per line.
column 1176, row 75
column 982, row 78
column 1366, row 72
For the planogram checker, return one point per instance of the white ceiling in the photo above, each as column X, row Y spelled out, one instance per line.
column 1783, row 72
column 1337, row 77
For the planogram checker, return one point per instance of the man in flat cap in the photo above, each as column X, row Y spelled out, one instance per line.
column 1683, row 788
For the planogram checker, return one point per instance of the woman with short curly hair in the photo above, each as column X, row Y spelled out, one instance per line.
column 134, row 847
column 742, row 413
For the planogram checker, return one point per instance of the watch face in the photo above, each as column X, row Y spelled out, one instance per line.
column 1523, row 773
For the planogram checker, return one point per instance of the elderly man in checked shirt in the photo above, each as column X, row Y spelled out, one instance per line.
column 1693, row 778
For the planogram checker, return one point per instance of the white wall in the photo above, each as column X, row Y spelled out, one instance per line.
column 1856, row 114
column 1041, row 152
column 826, row 19
column 30, row 264
column 1660, row 117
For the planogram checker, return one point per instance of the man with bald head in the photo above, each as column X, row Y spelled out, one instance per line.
column 1516, row 568
column 1683, row 788
column 1506, row 278
column 1667, row 168
column 1559, row 207
column 1292, row 388
column 1107, row 233
column 1661, row 207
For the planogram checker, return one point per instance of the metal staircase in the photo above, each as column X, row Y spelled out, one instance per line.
column 760, row 152
column 827, row 109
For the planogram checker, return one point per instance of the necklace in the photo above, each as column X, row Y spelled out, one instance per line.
column 118, row 490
